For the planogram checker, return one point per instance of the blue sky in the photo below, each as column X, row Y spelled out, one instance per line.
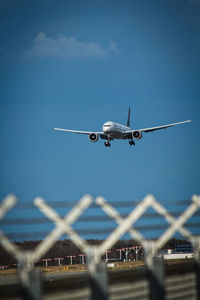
column 77, row 64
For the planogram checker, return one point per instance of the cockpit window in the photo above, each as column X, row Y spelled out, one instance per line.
column 108, row 125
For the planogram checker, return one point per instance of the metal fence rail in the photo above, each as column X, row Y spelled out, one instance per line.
column 154, row 286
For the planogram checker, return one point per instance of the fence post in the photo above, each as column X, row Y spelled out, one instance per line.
column 126, row 251
column 120, row 254
column 155, row 271
column 106, row 255
column 97, row 274
column 30, row 277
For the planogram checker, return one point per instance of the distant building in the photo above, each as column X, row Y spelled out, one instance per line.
column 180, row 252
column 183, row 249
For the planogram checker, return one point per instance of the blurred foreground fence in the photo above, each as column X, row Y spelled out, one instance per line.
column 151, row 282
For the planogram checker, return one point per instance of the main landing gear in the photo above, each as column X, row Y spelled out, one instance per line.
column 131, row 142
column 107, row 144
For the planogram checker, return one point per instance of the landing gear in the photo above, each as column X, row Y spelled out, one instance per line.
column 107, row 144
column 131, row 142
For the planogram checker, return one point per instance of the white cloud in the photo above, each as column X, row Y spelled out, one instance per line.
column 65, row 47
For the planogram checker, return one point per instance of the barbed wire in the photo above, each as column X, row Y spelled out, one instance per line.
column 94, row 218
column 102, row 231
column 118, row 203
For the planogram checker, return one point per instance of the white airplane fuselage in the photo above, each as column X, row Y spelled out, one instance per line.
column 115, row 130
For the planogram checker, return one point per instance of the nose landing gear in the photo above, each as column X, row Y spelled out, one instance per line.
column 131, row 142
column 107, row 144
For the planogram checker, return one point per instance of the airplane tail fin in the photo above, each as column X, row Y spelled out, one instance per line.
column 128, row 119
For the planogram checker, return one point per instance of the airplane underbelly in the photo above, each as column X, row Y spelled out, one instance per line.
column 117, row 135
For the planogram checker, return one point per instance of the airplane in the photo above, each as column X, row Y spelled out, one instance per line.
column 112, row 130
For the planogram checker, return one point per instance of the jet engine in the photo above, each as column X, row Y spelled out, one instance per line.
column 137, row 134
column 93, row 137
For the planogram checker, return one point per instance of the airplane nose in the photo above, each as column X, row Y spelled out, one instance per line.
column 106, row 129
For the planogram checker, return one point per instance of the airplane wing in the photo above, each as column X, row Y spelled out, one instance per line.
column 163, row 126
column 150, row 129
column 78, row 131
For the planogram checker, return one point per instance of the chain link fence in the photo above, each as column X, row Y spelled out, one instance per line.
column 153, row 281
